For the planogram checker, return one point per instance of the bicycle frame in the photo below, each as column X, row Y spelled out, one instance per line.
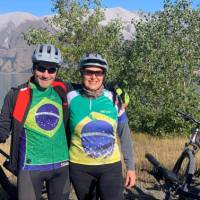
column 172, row 183
column 6, row 184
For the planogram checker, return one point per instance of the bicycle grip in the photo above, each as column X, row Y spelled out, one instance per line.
column 152, row 160
column 163, row 172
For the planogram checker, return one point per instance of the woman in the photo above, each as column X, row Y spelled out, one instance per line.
column 95, row 162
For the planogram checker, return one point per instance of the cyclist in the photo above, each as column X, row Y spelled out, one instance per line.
column 95, row 162
column 36, row 115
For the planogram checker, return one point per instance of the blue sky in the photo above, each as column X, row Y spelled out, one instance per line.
column 43, row 7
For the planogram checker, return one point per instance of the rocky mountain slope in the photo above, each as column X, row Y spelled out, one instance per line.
column 15, row 54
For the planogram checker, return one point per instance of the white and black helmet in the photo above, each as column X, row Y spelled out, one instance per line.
column 93, row 59
column 47, row 53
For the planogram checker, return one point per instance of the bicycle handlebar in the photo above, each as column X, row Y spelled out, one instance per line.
column 187, row 117
column 163, row 172
column 152, row 160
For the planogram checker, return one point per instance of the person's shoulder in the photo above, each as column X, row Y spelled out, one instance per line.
column 21, row 86
column 17, row 88
column 12, row 94
column 108, row 93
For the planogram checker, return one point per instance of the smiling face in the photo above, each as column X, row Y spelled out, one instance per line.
column 92, row 77
column 45, row 74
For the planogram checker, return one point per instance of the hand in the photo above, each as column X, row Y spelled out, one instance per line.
column 130, row 179
column 122, row 95
column 123, row 106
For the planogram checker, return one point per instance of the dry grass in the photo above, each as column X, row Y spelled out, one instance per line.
column 166, row 150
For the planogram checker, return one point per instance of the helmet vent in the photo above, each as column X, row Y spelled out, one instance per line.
column 49, row 49
column 92, row 61
column 56, row 51
column 47, row 53
column 41, row 48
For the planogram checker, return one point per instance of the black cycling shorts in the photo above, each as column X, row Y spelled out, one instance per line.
column 30, row 184
column 90, row 181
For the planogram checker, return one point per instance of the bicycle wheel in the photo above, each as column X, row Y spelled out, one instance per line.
column 185, row 168
column 9, row 188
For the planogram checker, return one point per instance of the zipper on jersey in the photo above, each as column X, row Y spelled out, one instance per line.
column 90, row 104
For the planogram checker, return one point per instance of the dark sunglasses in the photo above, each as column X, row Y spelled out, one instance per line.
column 90, row 73
column 51, row 70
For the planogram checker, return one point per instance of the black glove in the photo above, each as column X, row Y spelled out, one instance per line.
column 120, row 95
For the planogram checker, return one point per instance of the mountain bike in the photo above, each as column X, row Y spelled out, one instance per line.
column 9, row 187
column 177, row 182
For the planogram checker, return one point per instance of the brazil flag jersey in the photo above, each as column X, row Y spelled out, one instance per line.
column 93, row 123
column 43, row 144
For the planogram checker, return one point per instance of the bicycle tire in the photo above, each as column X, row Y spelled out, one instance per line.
column 8, row 187
column 162, row 172
column 184, row 168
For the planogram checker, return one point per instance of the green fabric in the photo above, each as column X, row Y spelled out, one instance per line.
column 45, row 134
column 81, row 107
column 93, row 123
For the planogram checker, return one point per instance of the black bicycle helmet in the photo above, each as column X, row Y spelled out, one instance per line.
column 47, row 53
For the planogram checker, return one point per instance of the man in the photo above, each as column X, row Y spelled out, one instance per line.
column 35, row 113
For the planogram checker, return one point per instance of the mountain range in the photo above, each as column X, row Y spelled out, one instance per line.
column 15, row 54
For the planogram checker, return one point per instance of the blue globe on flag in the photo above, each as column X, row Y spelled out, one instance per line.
column 47, row 117
column 98, row 139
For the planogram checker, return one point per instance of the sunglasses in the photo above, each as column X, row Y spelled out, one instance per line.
column 90, row 73
column 51, row 70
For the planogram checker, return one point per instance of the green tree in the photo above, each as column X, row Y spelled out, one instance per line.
column 76, row 29
column 159, row 66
